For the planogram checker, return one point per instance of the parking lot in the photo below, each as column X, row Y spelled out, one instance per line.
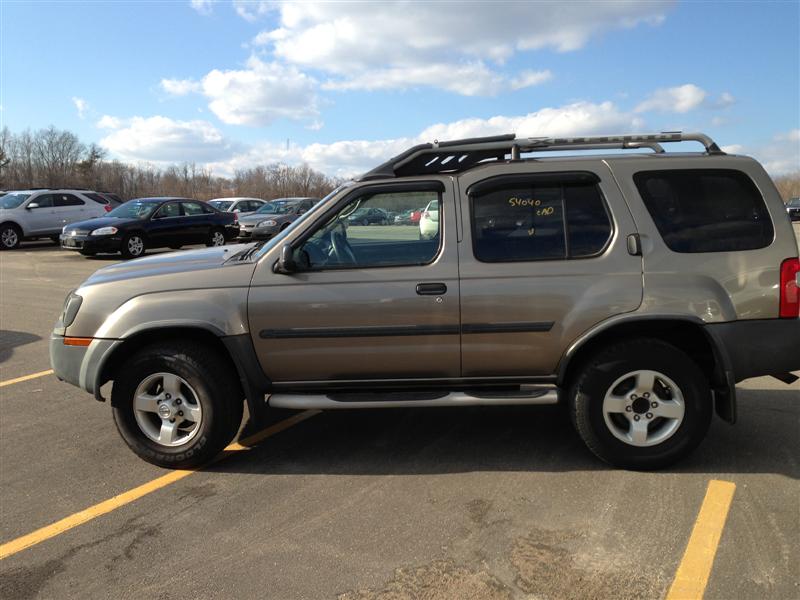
column 501, row 502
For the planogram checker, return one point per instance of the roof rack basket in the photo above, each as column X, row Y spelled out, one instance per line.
column 458, row 155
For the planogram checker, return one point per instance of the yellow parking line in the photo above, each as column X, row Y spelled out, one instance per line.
column 25, row 378
column 87, row 514
column 693, row 572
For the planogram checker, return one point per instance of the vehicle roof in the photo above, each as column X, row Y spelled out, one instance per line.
column 236, row 198
column 161, row 199
column 293, row 199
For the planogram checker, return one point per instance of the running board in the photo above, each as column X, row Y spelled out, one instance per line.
column 413, row 399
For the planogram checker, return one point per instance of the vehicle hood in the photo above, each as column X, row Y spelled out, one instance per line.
column 91, row 224
column 188, row 269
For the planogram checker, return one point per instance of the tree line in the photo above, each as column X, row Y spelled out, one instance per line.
column 57, row 158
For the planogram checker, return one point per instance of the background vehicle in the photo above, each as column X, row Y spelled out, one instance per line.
column 635, row 289
column 137, row 225
column 30, row 214
column 108, row 201
column 793, row 208
column 368, row 216
column 288, row 208
column 271, row 224
column 241, row 206
column 429, row 221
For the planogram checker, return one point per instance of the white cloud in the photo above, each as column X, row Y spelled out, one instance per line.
column 779, row 156
column 401, row 44
column 161, row 139
column 180, row 87
column 347, row 158
column 81, row 106
column 204, row 7
column 679, row 99
column 530, row 78
column 251, row 10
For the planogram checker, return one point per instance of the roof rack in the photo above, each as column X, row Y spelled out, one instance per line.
column 459, row 155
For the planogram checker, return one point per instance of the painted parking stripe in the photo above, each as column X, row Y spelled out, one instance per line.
column 692, row 575
column 107, row 506
column 25, row 378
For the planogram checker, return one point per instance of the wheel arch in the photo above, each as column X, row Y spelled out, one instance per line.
column 231, row 349
column 13, row 224
column 688, row 334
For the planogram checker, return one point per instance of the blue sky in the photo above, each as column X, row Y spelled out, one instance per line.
column 226, row 84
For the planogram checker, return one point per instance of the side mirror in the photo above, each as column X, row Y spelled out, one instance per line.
column 32, row 205
column 286, row 264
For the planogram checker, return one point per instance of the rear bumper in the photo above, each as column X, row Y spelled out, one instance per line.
column 759, row 347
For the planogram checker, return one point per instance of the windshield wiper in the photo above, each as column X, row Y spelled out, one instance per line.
column 246, row 254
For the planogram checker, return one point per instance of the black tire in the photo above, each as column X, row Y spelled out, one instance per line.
column 127, row 248
column 10, row 236
column 55, row 239
column 365, row 222
column 213, row 237
column 218, row 392
column 587, row 392
column 87, row 252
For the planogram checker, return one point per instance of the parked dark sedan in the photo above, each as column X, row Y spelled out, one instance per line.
column 137, row 225
column 368, row 216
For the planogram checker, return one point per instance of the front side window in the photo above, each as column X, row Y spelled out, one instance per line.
column 538, row 218
column 43, row 201
column 706, row 210
column 361, row 234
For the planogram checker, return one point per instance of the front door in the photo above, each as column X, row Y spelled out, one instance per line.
column 544, row 258
column 42, row 218
column 167, row 227
column 367, row 302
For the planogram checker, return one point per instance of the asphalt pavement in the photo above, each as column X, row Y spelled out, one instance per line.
column 497, row 503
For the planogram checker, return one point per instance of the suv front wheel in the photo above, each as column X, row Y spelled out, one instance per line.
column 641, row 404
column 175, row 404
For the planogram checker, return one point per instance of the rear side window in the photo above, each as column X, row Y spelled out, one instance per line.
column 191, row 209
column 67, row 200
column 97, row 198
column 708, row 210
column 538, row 218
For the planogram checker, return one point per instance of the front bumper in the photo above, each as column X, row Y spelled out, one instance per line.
column 81, row 365
column 91, row 243
column 265, row 233
column 760, row 346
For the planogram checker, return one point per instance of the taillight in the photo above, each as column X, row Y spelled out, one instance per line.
column 107, row 207
column 790, row 294
column 235, row 217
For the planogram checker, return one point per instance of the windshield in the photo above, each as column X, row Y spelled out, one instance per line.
column 13, row 200
column 314, row 210
column 277, row 208
column 134, row 210
column 222, row 205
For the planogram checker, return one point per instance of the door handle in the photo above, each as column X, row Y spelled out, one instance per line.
column 431, row 289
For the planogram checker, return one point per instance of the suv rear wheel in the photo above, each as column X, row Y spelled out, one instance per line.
column 174, row 404
column 641, row 404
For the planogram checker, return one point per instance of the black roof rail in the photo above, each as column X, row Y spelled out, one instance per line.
column 459, row 155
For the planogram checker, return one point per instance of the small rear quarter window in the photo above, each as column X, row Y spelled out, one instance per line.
column 706, row 210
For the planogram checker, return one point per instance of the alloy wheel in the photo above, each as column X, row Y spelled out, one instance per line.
column 167, row 409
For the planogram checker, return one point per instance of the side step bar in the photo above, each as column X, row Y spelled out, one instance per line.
column 412, row 399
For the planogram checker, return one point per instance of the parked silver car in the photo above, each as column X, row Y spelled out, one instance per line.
column 30, row 214
column 240, row 206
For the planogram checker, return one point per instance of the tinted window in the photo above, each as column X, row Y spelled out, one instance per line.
column 67, row 200
column 538, row 219
column 44, row 201
column 172, row 209
column 344, row 241
column 706, row 210
column 192, row 208
column 97, row 198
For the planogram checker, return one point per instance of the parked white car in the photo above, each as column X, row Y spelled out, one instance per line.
column 27, row 214
column 241, row 206
column 429, row 221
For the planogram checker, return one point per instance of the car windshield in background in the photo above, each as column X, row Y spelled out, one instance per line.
column 222, row 205
column 13, row 200
column 134, row 210
column 276, row 208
